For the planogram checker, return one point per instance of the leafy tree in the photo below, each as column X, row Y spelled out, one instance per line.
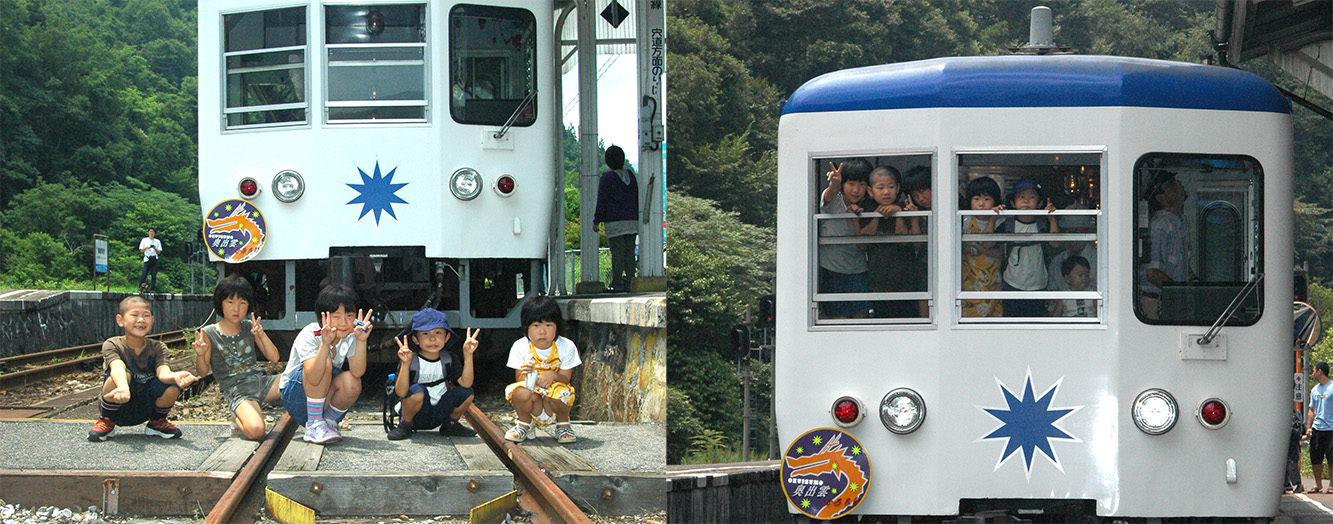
column 718, row 266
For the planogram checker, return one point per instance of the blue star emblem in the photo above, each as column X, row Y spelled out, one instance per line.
column 1029, row 424
column 377, row 193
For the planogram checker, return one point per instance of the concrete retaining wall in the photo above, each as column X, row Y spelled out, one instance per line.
column 622, row 342
column 32, row 321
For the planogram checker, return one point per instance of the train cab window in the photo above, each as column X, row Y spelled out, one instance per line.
column 376, row 63
column 1198, row 243
column 265, row 55
column 492, row 65
column 1029, row 226
column 872, row 218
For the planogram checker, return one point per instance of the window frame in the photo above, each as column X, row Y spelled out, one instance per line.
column 226, row 72
column 1254, row 248
column 1100, row 220
column 930, row 236
column 328, row 67
column 453, row 54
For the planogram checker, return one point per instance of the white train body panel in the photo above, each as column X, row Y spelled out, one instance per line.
column 1097, row 369
column 423, row 155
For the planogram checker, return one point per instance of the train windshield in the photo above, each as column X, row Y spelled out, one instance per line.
column 1029, row 225
column 1197, row 229
column 873, row 215
column 492, row 65
column 377, row 63
column 265, row 53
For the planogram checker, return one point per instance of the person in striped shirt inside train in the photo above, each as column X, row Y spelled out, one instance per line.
column 435, row 388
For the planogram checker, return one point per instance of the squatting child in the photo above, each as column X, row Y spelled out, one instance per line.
column 315, row 390
column 436, row 389
column 137, row 385
column 229, row 349
column 543, row 363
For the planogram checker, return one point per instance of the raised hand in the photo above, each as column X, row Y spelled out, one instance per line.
column 1050, row 207
column 404, row 352
column 835, row 176
column 470, row 344
column 909, row 206
column 200, row 342
column 255, row 328
column 327, row 330
column 363, row 326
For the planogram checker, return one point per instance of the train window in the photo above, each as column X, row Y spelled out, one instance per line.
column 492, row 65
column 872, row 215
column 1028, row 249
column 1198, row 238
column 265, row 53
column 377, row 63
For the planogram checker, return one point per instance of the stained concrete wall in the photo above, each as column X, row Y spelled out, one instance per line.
column 622, row 342
column 32, row 321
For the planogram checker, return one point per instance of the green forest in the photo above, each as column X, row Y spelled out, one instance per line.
column 732, row 63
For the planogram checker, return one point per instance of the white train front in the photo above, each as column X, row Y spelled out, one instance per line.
column 1124, row 405
column 404, row 148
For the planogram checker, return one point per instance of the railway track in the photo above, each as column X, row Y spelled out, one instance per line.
column 538, row 494
column 22, row 369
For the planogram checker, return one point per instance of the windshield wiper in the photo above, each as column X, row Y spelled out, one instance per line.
column 532, row 95
column 1230, row 310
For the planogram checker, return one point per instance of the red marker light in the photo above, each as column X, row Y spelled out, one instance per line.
column 505, row 185
column 1214, row 412
column 846, row 411
column 249, row 187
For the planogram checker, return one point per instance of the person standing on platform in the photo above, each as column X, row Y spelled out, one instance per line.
column 618, row 208
column 1319, row 425
column 151, row 247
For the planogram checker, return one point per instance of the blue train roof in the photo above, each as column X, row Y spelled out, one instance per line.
column 1037, row 81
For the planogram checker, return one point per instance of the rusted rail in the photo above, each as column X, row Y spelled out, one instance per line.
column 269, row 450
column 551, row 504
column 61, row 361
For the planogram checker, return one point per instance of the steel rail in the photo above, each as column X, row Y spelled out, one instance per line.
column 25, row 376
column 527, row 471
column 269, row 450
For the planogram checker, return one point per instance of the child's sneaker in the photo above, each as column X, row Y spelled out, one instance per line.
column 401, row 431
column 162, row 428
column 452, row 428
column 320, row 432
column 102, row 429
column 564, row 435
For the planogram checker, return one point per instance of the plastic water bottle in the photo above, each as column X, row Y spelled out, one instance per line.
column 531, row 381
column 389, row 384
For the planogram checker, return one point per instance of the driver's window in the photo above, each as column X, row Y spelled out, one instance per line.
column 1197, row 222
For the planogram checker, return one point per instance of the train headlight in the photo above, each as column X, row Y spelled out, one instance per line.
column 505, row 185
column 248, row 187
column 847, row 411
column 1213, row 413
column 288, row 186
column 465, row 184
column 902, row 411
column 1155, row 412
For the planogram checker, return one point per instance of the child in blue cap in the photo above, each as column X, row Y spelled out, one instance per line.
column 435, row 389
